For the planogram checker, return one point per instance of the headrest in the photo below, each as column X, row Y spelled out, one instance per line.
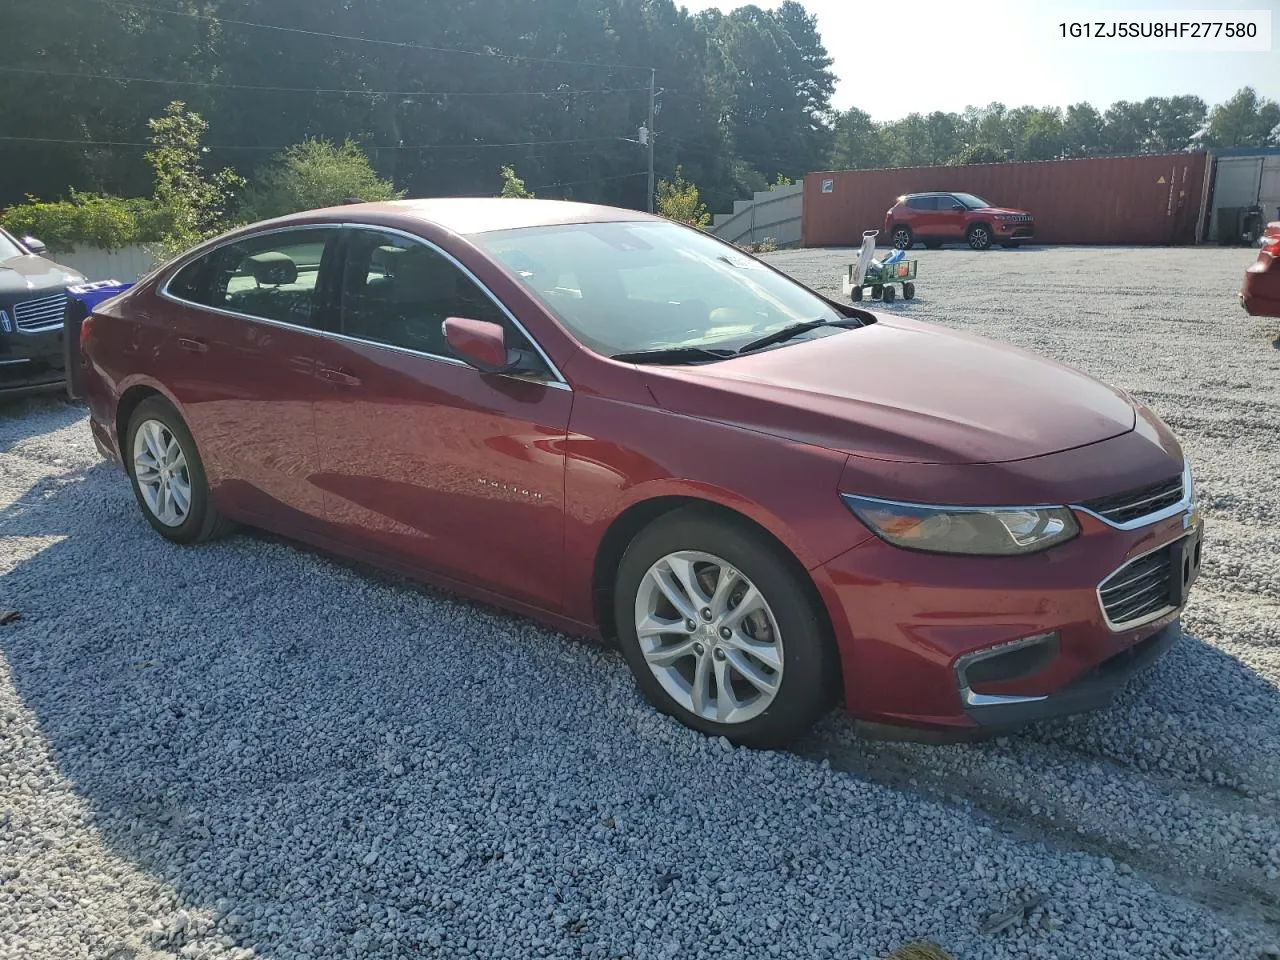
column 273, row 269
column 387, row 258
column 425, row 276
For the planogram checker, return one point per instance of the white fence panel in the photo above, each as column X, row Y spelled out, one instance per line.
column 126, row 264
column 770, row 213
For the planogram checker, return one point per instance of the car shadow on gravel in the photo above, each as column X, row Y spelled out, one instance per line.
column 325, row 762
column 26, row 417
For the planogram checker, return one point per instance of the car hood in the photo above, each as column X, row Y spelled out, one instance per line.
column 902, row 390
column 995, row 211
column 24, row 274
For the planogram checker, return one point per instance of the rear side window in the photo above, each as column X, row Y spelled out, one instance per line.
column 923, row 203
column 397, row 291
column 275, row 276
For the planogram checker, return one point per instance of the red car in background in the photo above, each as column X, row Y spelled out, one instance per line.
column 937, row 218
column 1260, row 294
column 630, row 429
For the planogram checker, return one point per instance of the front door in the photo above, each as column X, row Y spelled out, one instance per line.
column 425, row 459
column 243, row 350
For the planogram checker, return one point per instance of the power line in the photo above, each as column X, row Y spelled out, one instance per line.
column 374, row 146
column 268, row 89
column 488, row 55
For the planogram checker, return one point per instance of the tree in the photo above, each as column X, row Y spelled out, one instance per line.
column 314, row 174
column 1246, row 120
column 1043, row 136
column 678, row 200
column 1082, row 131
column 194, row 204
column 979, row 153
column 1173, row 122
column 512, row 186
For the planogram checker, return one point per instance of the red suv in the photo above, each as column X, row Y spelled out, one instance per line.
column 938, row 218
column 1260, row 295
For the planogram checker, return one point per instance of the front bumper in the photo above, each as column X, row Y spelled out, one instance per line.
column 31, row 362
column 910, row 624
column 1015, row 230
column 1260, row 293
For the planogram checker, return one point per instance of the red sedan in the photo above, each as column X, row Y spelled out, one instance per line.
column 1260, row 293
column 627, row 428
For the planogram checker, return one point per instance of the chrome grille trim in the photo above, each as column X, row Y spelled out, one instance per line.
column 1165, row 499
column 43, row 313
column 1138, row 592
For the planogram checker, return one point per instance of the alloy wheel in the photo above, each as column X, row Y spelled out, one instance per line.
column 901, row 238
column 709, row 637
column 160, row 467
column 979, row 238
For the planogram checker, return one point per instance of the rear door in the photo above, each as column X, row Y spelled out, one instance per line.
column 924, row 216
column 244, row 331
column 426, row 460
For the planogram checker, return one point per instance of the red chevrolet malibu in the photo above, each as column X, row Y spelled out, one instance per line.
column 627, row 428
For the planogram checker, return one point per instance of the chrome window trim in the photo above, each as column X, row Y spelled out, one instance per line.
column 1146, row 618
column 559, row 383
column 1186, row 503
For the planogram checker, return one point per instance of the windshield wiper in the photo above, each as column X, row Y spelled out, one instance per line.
column 673, row 355
column 794, row 330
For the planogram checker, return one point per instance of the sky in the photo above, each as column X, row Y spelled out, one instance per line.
column 1012, row 51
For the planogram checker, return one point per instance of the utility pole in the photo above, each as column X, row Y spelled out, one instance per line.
column 653, row 96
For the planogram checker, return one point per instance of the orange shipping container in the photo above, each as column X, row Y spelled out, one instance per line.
column 1135, row 200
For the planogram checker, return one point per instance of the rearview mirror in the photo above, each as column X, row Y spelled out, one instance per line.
column 483, row 345
column 34, row 245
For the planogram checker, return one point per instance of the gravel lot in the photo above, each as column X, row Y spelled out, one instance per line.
column 247, row 750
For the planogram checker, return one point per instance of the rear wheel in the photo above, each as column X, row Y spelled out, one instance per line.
column 168, row 475
column 877, row 292
column 856, row 294
column 889, row 294
column 908, row 291
column 721, row 633
column 979, row 236
column 902, row 237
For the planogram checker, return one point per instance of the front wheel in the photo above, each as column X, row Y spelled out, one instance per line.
column 979, row 237
column 903, row 238
column 721, row 633
column 168, row 475
column 908, row 291
column 856, row 295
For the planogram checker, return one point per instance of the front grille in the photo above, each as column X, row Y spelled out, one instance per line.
column 1140, row 590
column 1125, row 507
column 45, row 313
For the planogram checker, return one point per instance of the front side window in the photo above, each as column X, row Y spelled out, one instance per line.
column 632, row 286
column 399, row 291
column 275, row 276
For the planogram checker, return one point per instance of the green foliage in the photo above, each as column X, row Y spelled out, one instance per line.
column 1246, row 120
column 782, row 180
column 679, row 200
column 86, row 220
column 512, row 186
column 979, row 153
column 314, row 174
column 194, row 203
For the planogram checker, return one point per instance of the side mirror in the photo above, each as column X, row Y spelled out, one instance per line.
column 34, row 245
column 483, row 345
column 959, row 207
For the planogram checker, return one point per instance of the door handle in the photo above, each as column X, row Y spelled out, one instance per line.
column 338, row 377
column 192, row 346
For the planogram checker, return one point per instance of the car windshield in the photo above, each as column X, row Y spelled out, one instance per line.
column 970, row 201
column 9, row 247
column 634, row 286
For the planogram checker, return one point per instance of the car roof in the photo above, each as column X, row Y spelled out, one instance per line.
column 471, row 215
column 929, row 193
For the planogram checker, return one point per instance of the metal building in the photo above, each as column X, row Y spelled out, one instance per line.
column 1243, row 178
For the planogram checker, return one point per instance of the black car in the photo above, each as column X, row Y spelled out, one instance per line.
column 33, row 299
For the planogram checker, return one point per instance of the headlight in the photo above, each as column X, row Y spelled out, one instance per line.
column 980, row 531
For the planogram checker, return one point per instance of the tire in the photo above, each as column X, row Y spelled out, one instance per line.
column 890, row 294
column 856, row 295
column 156, row 425
column 908, row 291
column 903, row 238
column 877, row 292
column 979, row 236
column 703, row 546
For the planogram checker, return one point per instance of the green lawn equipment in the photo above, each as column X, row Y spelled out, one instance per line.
column 879, row 277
